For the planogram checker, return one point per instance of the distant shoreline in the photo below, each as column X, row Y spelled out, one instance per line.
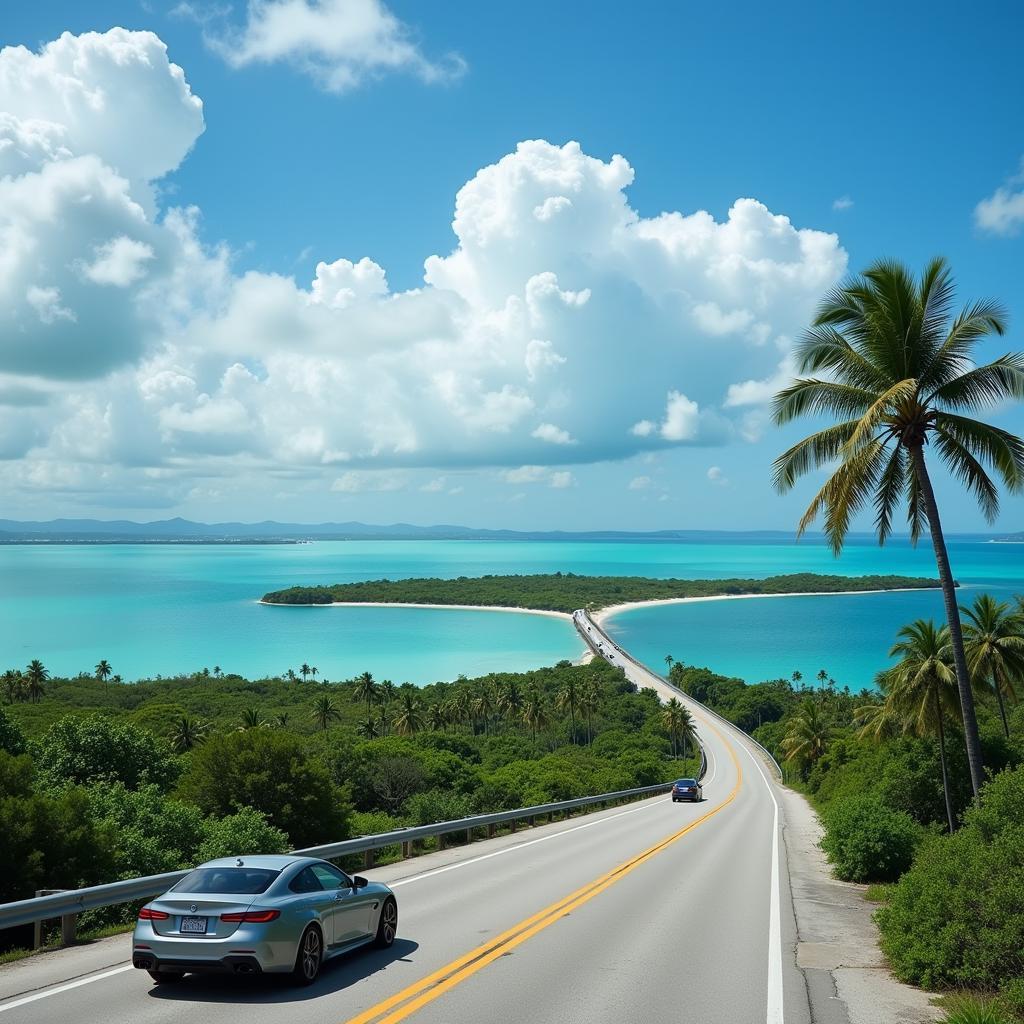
column 413, row 604
column 604, row 614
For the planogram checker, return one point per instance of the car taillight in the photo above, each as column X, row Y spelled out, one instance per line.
column 148, row 914
column 253, row 916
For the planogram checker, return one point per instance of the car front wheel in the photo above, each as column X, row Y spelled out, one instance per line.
column 387, row 926
column 309, row 957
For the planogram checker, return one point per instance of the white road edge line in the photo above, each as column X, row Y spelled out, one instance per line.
column 58, row 989
column 646, row 806
column 64, row 988
column 774, row 1007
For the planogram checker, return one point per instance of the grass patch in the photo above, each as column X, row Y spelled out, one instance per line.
column 878, row 893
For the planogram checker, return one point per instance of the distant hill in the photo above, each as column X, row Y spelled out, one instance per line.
column 184, row 531
column 1010, row 538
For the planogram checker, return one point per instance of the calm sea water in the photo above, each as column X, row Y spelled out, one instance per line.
column 164, row 609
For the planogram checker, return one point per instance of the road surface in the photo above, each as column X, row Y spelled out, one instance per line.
column 649, row 912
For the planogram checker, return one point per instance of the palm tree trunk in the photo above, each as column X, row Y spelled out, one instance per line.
column 942, row 761
column 997, row 683
column 963, row 677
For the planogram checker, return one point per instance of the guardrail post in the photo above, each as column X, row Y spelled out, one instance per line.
column 368, row 859
column 67, row 929
column 37, row 926
column 469, row 835
column 490, row 830
column 406, row 850
column 512, row 823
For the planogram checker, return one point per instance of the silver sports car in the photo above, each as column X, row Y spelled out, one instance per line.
column 261, row 914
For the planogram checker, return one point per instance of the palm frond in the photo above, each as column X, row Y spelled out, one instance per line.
column 808, row 395
column 999, row 448
column 986, row 385
column 890, row 489
column 810, row 453
column 952, row 358
column 824, row 348
column 899, row 393
column 970, row 472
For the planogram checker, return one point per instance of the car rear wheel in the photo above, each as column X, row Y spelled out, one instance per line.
column 387, row 926
column 309, row 957
column 166, row 977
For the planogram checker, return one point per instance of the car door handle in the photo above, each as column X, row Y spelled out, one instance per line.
column 338, row 897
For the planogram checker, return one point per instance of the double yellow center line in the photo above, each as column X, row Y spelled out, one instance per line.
column 401, row 1005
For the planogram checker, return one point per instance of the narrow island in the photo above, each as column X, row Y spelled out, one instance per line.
column 565, row 592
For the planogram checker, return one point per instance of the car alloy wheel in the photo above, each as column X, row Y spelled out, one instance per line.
column 307, row 965
column 387, row 927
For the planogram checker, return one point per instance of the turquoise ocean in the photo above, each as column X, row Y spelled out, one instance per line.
column 164, row 609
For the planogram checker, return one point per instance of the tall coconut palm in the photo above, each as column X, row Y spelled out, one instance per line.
column 510, row 700
column 672, row 719
column 568, row 699
column 366, row 690
column 822, row 677
column 590, row 704
column 668, row 663
column 314, row 672
column 13, row 686
column 797, row 676
column 894, row 365
column 535, row 712
column 808, row 735
column 484, row 705
column 35, row 680
column 437, row 717
column 304, row 671
column 103, row 670
column 410, row 718
column 994, row 645
column 324, row 712
column 187, row 733
column 921, row 691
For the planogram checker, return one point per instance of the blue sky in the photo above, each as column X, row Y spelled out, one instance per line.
column 886, row 128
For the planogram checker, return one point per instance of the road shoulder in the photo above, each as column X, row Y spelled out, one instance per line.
column 848, row 981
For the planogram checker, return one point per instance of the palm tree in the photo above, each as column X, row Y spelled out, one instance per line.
column 484, row 704
column 314, row 672
column 251, row 719
column 809, row 734
column 437, row 717
column 187, row 733
column 568, row 699
column 895, row 367
column 510, row 700
column 324, row 712
column 103, row 670
column 668, row 662
column 920, row 692
column 35, row 680
column 304, row 671
column 290, row 675
column 822, row 677
column 366, row 690
column 994, row 645
column 672, row 720
column 534, row 712
column 410, row 718
column 797, row 677
column 369, row 729
column 14, row 686
column 590, row 702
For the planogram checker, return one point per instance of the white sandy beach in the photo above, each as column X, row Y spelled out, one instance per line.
column 413, row 604
column 604, row 614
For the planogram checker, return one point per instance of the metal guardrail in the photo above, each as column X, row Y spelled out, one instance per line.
column 714, row 714
column 74, row 901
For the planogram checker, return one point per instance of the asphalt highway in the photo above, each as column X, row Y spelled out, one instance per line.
column 646, row 912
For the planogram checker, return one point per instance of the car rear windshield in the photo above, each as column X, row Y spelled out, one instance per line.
column 229, row 880
column 687, row 782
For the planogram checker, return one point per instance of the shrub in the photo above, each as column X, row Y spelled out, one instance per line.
column 12, row 739
column 437, row 805
column 866, row 841
column 965, row 1009
column 954, row 919
column 241, row 834
column 267, row 769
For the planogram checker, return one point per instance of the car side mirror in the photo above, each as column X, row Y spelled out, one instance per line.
column 358, row 882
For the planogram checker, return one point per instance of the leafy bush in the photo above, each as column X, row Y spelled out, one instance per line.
column 240, row 834
column 955, row 917
column 437, row 805
column 865, row 841
column 268, row 770
column 99, row 749
column 12, row 739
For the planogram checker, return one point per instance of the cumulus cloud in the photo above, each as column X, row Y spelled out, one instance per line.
column 338, row 43
column 842, row 203
column 561, row 479
column 717, row 476
column 356, row 481
column 578, row 333
column 639, row 483
column 1002, row 213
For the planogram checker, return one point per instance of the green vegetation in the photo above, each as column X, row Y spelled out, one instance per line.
column 565, row 592
column 867, row 841
column 896, row 370
column 100, row 780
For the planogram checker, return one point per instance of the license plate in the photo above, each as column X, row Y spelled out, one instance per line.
column 196, row 925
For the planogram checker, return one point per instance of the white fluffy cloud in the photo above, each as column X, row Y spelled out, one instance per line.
column 1002, row 213
column 563, row 327
column 339, row 43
